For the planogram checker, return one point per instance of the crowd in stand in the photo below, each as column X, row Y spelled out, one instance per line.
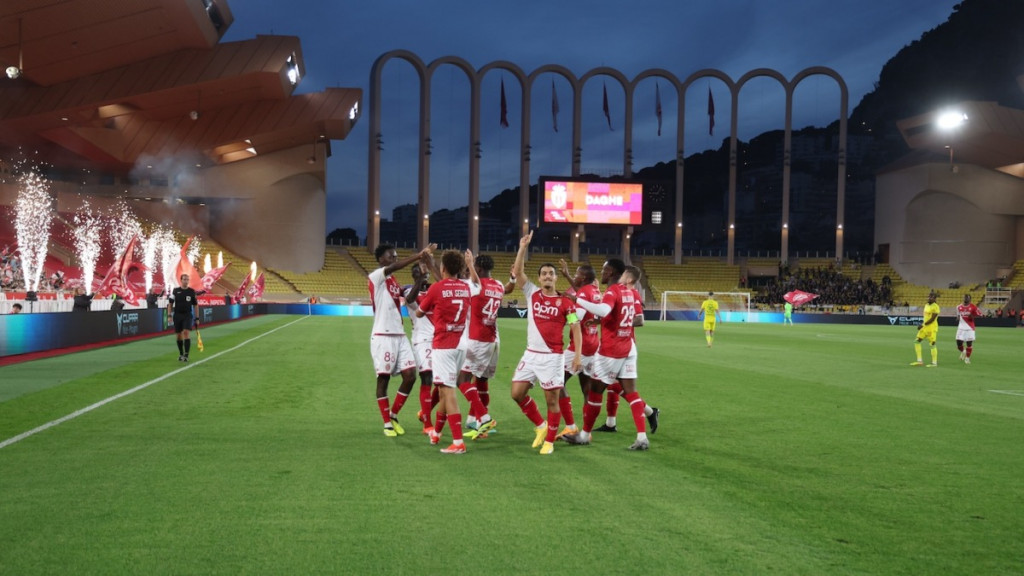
column 10, row 270
column 12, row 275
column 831, row 286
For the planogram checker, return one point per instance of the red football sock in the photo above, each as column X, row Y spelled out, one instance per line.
column 455, row 421
column 614, row 390
column 529, row 407
column 591, row 410
column 553, row 419
column 400, row 399
column 476, row 408
column 441, row 418
column 565, row 405
column 483, row 387
column 385, row 411
column 435, row 395
column 425, row 404
column 969, row 350
column 637, row 405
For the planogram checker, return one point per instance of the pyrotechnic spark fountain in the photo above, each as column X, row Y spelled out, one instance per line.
column 32, row 224
column 88, row 226
column 207, row 264
column 122, row 226
column 220, row 259
column 194, row 248
column 252, row 271
column 169, row 253
column 149, row 250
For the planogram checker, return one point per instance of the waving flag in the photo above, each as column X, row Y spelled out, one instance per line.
column 711, row 113
column 185, row 266
column 657, row 105
column 213, row 276
column 116, row 280
column 607, row 113
column 255, row 289
column 798, row 297
column 504, row 106
column 554, row 107
column 242, row 288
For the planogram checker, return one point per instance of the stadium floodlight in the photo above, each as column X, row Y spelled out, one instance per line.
column 951, row 119
column 292, row 69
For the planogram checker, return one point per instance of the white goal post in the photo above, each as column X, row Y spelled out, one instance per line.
column 732, row 306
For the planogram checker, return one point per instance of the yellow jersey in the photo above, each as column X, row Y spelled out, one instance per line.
column 709, row 307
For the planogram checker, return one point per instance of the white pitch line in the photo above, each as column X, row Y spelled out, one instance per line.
column 1008, row 392
column 92, row 407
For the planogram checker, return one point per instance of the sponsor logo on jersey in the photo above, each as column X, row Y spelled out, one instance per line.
column 545, row 309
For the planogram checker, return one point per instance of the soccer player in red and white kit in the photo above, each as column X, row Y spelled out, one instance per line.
column 389, row 345
column 967, row 312
column 449, row 302
column 547, row 315
column 482, row 345
column 422, row 342
column 617, row 355
column 584, row 285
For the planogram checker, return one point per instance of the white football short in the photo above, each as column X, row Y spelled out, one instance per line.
column 446, row 366
column 423, row 352
column 540, row 367
column 608, row 370
column 586, row 363
column 391, row 354
column 481, row 358
column 965, row 334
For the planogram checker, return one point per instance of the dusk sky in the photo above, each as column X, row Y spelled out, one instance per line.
column 341, row 40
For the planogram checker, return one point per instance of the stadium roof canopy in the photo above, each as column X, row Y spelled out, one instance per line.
column 105, row 84
column 991, row 135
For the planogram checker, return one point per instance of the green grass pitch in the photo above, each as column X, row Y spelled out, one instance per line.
column 811, row 449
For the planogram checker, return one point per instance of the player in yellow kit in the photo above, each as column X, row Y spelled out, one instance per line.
column 709, row 311
column 929, row 328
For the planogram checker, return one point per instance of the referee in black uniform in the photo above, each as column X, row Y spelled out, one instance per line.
column 183, row 306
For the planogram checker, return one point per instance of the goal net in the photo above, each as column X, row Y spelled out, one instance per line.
column 683, row 305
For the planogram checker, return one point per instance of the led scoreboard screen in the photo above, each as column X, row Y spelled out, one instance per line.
column 590, row 202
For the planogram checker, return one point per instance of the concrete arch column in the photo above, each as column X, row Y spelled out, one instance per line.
column 425, row 73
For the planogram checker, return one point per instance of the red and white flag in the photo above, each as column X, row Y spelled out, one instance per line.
column 504, row 107
column 211, row 277
column 242, row 288
column 657, row 105
column 607, row 112
column 255, row 290
column 185, row 266
column 554, row 107
column 711, row 113
column 798, row 297
column 116, row 280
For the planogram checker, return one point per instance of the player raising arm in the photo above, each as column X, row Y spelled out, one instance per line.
column 449, row 302
column 548, row 312
column 617, row 356
column 389, row 345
